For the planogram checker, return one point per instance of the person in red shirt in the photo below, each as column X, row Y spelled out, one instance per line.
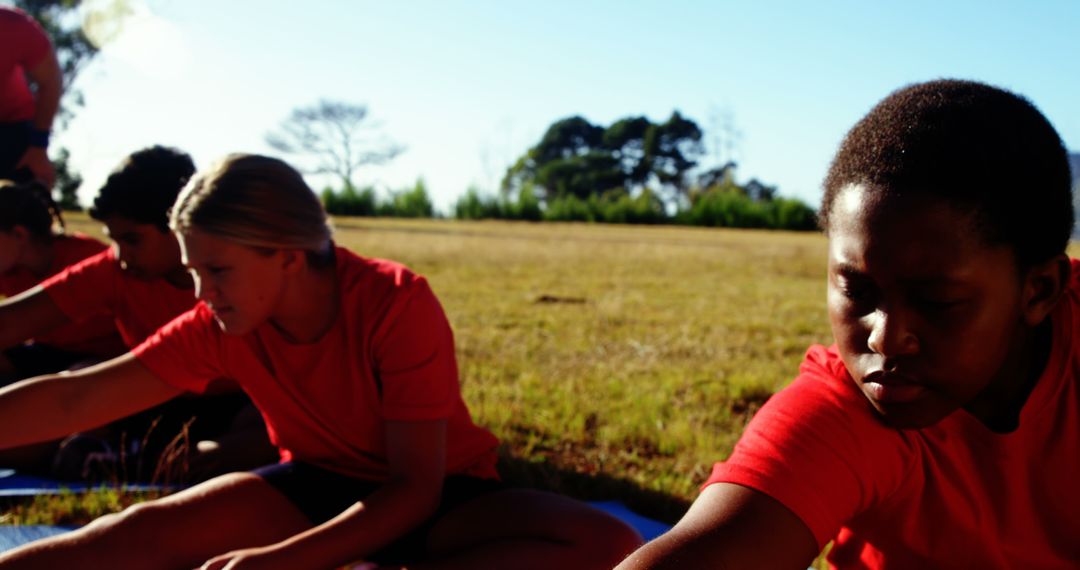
column 34, row 246
column 351, row 362
column 942, row 430
column 26, row 114
column 141, row 284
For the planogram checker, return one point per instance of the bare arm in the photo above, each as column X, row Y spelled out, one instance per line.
column 730, row 526
column 49, row 407
column 49, row 80
column 27, row 315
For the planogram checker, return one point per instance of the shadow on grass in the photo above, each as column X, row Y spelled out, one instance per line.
column 519, row 472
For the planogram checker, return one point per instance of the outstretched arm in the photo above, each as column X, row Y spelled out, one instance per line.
column 29, row 314
column 49, row 80
column 416, row 452
column 730, row 526
column 49, row 407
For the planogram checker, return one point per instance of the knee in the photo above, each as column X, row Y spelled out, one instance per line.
column 606, row 539
column 132, row 530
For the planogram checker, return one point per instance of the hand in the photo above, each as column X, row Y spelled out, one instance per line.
column 261, row 558
column 36, row 159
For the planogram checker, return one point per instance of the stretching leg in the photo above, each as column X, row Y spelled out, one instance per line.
column 181, row 531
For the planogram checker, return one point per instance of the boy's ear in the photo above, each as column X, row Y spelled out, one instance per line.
column 1043, row 286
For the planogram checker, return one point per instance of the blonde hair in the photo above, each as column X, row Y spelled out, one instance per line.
column 257, row 201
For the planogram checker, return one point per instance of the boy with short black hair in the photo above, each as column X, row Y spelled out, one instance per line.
column 943, row 428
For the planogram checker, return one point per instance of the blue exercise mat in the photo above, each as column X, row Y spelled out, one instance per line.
column 649, row 528
column 13, row 484
column 12, row 536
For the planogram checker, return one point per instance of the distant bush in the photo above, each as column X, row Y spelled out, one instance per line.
column 615, row 207
column 409, row 203
column 474, row 205
column 724, row 207
column 349, row 202
column 792, row 214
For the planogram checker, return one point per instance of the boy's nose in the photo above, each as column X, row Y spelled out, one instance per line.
column 891, row 335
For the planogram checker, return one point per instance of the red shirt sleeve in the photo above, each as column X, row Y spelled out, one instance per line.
column 86, row 288
column 187, row 352
column 414, row 358
column 817, row 448
column 27, row 36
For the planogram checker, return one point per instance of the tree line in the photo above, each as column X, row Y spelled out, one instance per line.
column 633, row 171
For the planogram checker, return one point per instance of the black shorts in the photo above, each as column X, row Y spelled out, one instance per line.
column 14, row 140
column 321, row 495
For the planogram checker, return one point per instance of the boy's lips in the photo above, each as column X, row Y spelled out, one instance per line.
column 892, row 388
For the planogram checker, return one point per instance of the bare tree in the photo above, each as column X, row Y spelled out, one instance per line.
column 339, row 135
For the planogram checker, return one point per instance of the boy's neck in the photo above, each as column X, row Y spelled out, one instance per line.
column 999, row 405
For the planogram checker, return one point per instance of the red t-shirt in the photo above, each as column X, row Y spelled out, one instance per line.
column 388, row 356
column 23, row 44
column 953, row 495
column 98, row 285
column 95, row 335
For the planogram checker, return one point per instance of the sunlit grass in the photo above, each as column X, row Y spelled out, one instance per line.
column 633, row 352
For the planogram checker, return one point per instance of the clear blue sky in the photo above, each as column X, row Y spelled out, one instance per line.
column 468, row 86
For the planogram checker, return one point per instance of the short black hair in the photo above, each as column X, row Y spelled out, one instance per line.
column 144, row 186
column 981, row 148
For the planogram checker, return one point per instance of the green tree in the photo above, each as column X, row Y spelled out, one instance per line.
column 674, row 148
column 577, row 158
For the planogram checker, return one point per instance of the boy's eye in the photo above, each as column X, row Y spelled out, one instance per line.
column 855, row 291
column 938, row 304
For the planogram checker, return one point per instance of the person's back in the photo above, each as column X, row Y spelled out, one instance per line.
column 942, row 428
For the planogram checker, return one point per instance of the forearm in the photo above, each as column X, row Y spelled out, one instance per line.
column 387, row 514
column 41, row 409
column 48, row 407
